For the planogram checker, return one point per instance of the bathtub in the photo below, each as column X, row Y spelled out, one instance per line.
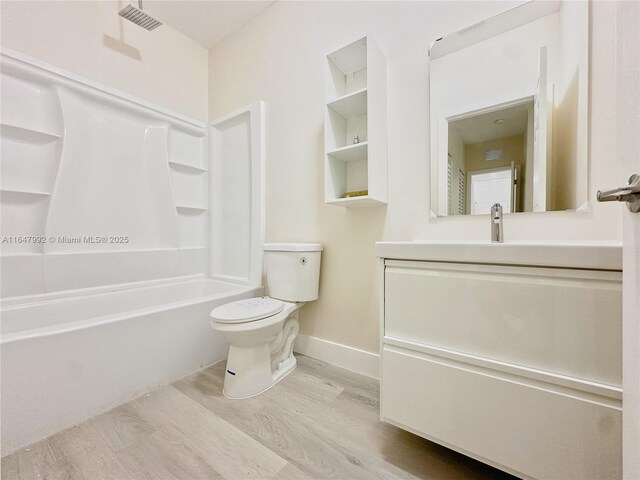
column 71, row 355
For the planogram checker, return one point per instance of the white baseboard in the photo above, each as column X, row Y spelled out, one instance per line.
column 349, row 358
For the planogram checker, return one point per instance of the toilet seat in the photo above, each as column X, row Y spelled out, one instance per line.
column 247, row 310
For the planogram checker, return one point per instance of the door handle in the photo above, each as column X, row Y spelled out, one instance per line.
column 629, row 193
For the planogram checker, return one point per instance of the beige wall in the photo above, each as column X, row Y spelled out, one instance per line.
column 527, row 171
column 90, row 39
column 278, row 57
column 569, row 119
column 512, row 151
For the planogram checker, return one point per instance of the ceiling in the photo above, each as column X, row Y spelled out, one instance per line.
column 206, row 22
column 483, row 127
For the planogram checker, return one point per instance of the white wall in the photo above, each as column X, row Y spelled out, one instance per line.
column 278, row 57
column 90, row 39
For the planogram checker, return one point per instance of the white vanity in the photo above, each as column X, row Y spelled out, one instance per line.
column 509, row 353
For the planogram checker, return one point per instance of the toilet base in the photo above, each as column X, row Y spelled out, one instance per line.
column 251, row 370
column 231, row 391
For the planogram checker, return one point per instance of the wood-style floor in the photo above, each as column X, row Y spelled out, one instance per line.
column 319, row 422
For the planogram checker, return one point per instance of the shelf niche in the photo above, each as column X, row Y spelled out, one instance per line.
column 355, row 125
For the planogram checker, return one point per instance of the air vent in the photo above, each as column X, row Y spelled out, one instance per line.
column 491, row 155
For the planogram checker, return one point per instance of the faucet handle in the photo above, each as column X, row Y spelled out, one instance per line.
column 496, row 211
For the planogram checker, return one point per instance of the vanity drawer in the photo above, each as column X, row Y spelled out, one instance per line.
column 558, row 320
column 530, row 428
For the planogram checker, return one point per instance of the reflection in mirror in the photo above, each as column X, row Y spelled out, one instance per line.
column 491, row 156
column 509, row 112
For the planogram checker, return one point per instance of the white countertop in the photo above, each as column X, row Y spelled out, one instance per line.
column 574, row 254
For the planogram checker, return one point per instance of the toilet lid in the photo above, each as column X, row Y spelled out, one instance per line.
column 247, row 310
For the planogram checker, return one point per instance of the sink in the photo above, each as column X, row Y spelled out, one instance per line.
column 566, row 254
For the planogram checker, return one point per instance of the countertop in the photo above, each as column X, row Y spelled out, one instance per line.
column 570, row 254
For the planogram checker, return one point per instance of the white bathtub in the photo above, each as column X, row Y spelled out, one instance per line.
column 71, row 355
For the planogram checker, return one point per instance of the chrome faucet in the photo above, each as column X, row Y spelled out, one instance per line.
column 496, row 223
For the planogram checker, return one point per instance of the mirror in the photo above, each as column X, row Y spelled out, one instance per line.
column 509, row 112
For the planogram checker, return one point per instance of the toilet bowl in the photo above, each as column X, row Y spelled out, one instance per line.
column 261, row 331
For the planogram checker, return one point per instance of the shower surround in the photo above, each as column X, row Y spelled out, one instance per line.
column 107, row 277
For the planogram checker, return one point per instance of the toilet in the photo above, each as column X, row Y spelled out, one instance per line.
column 261, row 330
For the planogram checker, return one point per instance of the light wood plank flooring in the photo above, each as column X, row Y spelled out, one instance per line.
column 319, row 422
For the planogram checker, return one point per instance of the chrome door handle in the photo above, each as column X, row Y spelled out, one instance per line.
column 629, row 193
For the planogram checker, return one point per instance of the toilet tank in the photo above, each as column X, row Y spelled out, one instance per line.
column 293, row 270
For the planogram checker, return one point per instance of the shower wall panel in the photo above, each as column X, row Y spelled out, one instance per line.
column 96, row 187
column 237, row 158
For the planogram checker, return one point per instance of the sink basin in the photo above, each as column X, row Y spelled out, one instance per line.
column 569, row 254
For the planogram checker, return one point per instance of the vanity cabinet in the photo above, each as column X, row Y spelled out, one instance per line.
column 518, row 366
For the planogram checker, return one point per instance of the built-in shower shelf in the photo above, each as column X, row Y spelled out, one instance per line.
column 23, row 255
column 28, row 134
column 350, row 153
column 186, row 167
column 192, row 225
column 24, row 192
column 191, row 208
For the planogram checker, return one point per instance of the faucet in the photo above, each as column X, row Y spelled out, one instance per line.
column 496, row 223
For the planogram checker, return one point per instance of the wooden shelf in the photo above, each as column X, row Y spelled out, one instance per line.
column 350, row 153
column 351, row 105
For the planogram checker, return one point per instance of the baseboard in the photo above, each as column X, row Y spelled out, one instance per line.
column 349, row 358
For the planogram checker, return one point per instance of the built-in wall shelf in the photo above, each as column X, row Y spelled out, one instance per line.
column 191, row 207
column 351, row 105
column 357, row 151
column 24, row 214
column 186, row 148
column 27, row 134
column 362, row 201
column 187, row 168
column 192, row 227
column 24, row 192
column 355, row 125
column 189, row 184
